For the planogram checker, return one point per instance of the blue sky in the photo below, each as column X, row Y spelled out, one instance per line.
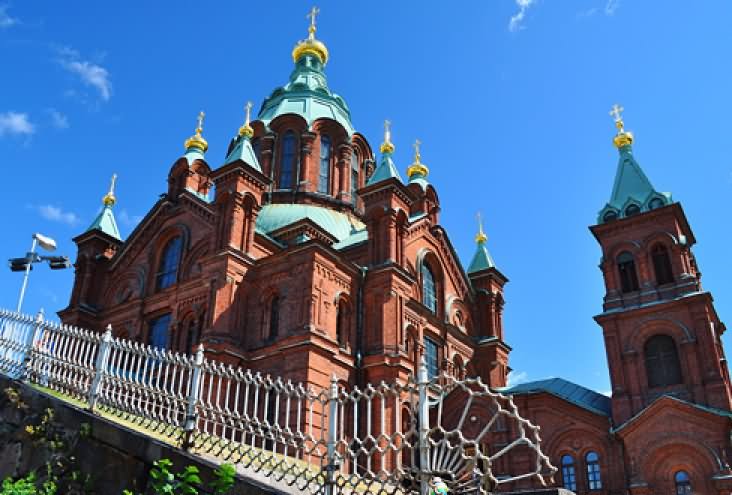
column 509, row 97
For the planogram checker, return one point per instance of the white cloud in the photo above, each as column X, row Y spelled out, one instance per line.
column 91, row 74
column 514, row 24
column 5, row 20
column 129, row 220
column 57, row 214
column 15, row 123
column 58, row 120
column 611, row 6
column 516, row 377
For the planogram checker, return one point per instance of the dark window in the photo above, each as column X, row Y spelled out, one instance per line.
column 429, row 291
column 662, row 264
column 192, row 337
column 342, row 324
column 274, row 317
column 632, row 210
column 594, row 481
column 324, row 176
column 683, row 483
column 287, row 163
column 168, row 268
column 655, row 203
column 662, row 361
column 610, row 216
column 628, row 275
column 159, row 334
column 569, row 477
column 354, row 176
column 430, row 357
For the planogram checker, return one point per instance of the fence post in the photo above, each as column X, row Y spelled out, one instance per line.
column 423, row 416
column 100, row 367
column 332, row 437
column 30, row 344
column 192, row 399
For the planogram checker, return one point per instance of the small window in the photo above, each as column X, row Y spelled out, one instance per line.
column 628, row 275
column 429, row 290
column 662, row 264
column 632, row 210
column 662, row 361
column 430, row 356
column 324, row 175
column 569, row 477
column 287, row 163
column 354, row 176
column 159, row 332
column 609, row 216
column 168, row 267
column 274, row 317
column 594, row 481
column 193, row 336
column 655, row 203
column 683, row 483
column 342, row 324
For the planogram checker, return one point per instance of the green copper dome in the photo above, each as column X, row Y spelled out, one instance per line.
column 275, row 216
column 307, row 94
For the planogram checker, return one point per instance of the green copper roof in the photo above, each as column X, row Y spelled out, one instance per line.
column 571, row 392
column 307, row 94
column 193, row 154
column 243, row 151
column 275, row 216
column 632, row 189
column 106, row 223
column 356, row 238
column 482, row 259
column 420, row 180
column 386, row 170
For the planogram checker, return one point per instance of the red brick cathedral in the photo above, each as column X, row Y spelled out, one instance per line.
column 304, row 254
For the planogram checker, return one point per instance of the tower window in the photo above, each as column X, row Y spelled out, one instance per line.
column 168, row 267
column 569, row 477
column 662, row 264
column 683, row 483
column 430, row 357
column 429, row 290
column 628, row 275
column 609, row 216
column 354, row 176
column 655, row 203
column 287, row 163
column 632, row 210
column 594, row 481
column 274, row 317
column 324, row 174
column 342, row 324
column 662, row 361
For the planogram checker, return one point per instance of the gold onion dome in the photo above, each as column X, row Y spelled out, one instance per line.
column 622, row 138
column 417, row 167
column 109, row 199
column 197, row 141
column 311, row 45
column 246, row 130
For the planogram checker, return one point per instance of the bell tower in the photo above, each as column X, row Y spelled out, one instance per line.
column 662, row 333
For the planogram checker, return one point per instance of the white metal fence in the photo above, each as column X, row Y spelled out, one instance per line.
column 383, row 438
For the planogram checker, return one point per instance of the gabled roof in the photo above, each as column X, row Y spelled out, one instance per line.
column 275, row 216
column 106, row 223
column 566, row 390
column 386, row 170
column 656, row 403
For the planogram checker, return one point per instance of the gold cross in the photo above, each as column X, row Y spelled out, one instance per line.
column 616, row 112
column 481, row 237
column 417, row 155
column 248, row 110
column 313, row 12
column 201, row 115
column 387, row 131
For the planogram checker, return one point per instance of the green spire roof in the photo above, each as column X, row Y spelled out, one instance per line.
column 106, row 223
column 385, row 171
column 482, row 259
column 243, row 151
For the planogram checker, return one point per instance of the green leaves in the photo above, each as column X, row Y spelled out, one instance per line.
column 188, row 481
column 224, row 478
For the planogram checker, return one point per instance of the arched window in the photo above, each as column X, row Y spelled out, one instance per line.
column 628, row 275
column 159, row 332
column 342, row 324
column 610, row 216
column 655, row 203
column 274, row 317
column 662, row 264
column 632, row 210
column 662, row 361
column 430, row 357
column 168, row 267
column 683, row 483
column 594, row 481
column 429, row 290
column 354, row 176
column 287, row 163
column 569, row 477
column 324, row 175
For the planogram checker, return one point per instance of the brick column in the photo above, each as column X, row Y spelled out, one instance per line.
column 344, row 172
column 307, row 172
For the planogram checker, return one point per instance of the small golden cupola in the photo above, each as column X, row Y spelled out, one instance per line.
column 417, row 170
column 197, row 142
column 311, row 45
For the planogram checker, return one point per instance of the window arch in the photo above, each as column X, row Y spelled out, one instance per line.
column 169, row 260
column 609, row 216
column 354, row 176
column 342, row 324
column 274, row 317
column 324, row 173
column 662, row 264
column 655, row 203
column 628, row 274
column 632, row 210
column 683, row 483
column 594, row 480
column 287, row 162
column 429, row 289
column 662, row 361
column 569, row 476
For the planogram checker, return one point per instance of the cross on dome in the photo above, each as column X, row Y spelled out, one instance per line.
column 201, row 116
column 109, row 198
column 312, row 14
column 616, row 112
column 480, row 237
